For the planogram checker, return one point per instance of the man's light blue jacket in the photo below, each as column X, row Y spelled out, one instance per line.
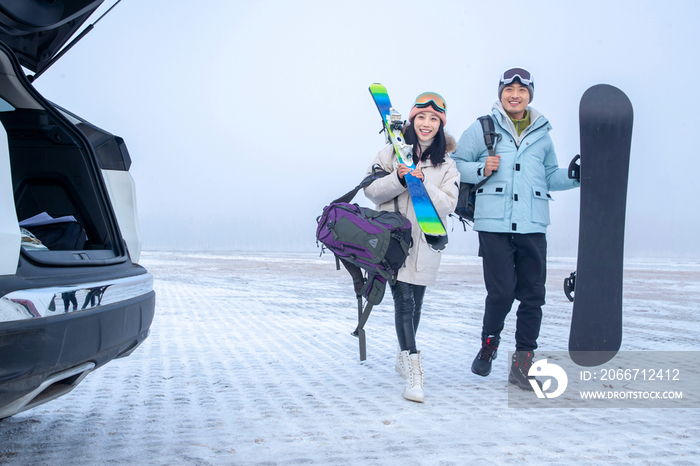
column 516, row 198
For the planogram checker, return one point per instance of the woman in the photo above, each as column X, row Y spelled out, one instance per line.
column 440, row 177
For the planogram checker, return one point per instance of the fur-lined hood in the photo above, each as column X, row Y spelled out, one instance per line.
column 450, row 143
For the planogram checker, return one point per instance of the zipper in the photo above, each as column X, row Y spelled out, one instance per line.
column 517, row 146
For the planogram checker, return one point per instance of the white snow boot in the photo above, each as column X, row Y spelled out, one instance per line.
column 401, row 364
column 414, row 378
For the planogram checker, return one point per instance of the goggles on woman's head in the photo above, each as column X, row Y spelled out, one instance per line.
column 431, row 99
column 522, row 75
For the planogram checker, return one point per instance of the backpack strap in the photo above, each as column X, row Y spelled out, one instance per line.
column 491, row 137
column 359, row 332
column 490, row 134
column 377, row 172
column 358, row 279
column 373, row 290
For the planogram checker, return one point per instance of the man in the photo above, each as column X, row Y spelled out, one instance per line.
column 511, row 215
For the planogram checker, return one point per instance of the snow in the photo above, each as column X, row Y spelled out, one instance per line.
column 250, row 362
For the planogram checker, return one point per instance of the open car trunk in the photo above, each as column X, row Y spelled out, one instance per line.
column 72, row 296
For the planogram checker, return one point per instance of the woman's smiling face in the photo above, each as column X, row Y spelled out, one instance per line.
column 426, row 125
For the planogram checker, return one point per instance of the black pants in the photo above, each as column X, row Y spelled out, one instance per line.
column 408, row 300
column 515, row 267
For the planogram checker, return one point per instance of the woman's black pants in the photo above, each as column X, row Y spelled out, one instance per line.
column 408, row 300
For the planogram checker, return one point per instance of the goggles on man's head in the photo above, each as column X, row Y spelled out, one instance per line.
column 522, row 75
column 431, row 99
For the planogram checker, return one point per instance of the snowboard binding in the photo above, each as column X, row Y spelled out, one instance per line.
column 569, row 286
column 575, row 168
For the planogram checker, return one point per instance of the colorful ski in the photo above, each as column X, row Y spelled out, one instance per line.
column 428, row 218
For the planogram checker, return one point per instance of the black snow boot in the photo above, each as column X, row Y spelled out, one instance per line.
column 482, row 363
column 519, row 368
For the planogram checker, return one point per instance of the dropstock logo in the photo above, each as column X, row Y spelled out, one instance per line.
column 543, row 369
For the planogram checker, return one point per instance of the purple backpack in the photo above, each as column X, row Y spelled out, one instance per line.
column 372, row 245
column 376, row 242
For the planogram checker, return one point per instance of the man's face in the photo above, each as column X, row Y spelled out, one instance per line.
column 514, row 99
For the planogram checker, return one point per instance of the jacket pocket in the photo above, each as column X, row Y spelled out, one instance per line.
column 427, row 260
column 540, row 205
column 490, row 201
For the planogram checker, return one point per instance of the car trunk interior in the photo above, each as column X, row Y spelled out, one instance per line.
column 59, row 195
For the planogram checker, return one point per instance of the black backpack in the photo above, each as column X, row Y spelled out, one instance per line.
column 467, row 191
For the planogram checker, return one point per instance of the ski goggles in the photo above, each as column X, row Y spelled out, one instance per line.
column 431, row 99
column 523, row 76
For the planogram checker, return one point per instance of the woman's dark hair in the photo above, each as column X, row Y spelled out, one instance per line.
column 436, row 151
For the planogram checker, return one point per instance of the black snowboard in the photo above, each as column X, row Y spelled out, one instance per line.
column 605, row 121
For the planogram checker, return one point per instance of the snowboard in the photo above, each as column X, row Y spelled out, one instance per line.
column 428, row 218
column 605, row 123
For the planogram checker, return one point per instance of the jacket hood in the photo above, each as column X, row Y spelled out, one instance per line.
column 451, row 143
column 36, row 30
column 534, row 113
column 536, row 119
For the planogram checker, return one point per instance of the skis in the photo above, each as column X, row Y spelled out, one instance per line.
column 428, row 218
column 605, row 121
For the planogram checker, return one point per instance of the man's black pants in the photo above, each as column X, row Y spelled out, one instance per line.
column 515, row 267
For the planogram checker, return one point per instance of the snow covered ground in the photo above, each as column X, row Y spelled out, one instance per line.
column 250, row 362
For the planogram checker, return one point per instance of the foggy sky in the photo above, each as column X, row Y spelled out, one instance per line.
column 245, row 118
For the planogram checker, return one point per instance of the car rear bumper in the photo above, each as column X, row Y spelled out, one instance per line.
column 56, row 300
column 44, row 358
